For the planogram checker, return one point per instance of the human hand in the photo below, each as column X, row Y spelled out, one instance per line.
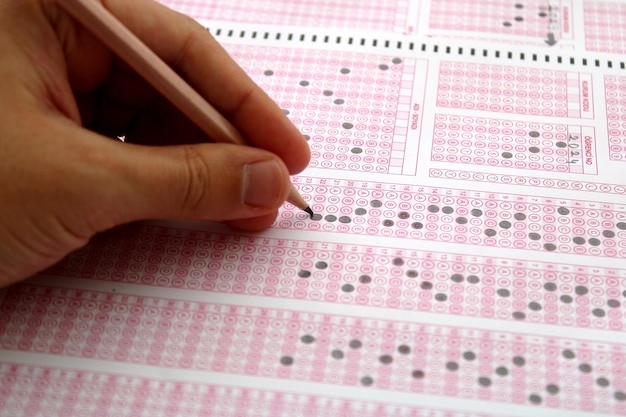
column 64, row 97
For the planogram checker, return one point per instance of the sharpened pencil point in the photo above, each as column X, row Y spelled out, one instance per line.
column 308, row 210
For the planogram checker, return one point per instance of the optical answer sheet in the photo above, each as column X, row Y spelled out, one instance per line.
column 467, row 257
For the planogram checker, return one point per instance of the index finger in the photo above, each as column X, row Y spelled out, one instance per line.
column 197, row 57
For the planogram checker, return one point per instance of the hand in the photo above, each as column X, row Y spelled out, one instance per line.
column 64, row 100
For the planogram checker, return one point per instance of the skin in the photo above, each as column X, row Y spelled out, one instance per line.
column 64, row 99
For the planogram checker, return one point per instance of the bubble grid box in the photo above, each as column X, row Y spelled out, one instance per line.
column 604, row 23
column 352, row 107
column 442, row 283
column 31, row 391
column 371, row 15
column 515, row 90
column 461, row 216
column 615, row 91
column 529, row 18
column 339, row 350
column 514, row 144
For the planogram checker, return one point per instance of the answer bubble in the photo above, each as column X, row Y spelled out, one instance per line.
column 337, row 354
column 383, row 67
column 404, row 349
column 461, row 220
column 561, row 145
column 388, row 223
column 603, row 382
column 567, row 299
column 613, row 303
column 345, row 219
column 403, row 215
column 476, row 212
column 344, row 71
column 569, row 354
column 519, row 216
column 304, row 83
column 347, row 288
column 519, row 361
column 356, row 150
column 360, row 211
column 347, row 125
column 484, row 381
column 533, row 149
column 457, row 277
column 268, row 72
column 286, row 360
column 579, row 240
column 396, row 61
column 355, row 344
column 447, row 210
column 385, row 359
column 417, row 374
column 327, row 93
column 473, row 279
column 316, row 217
column 502, row 371
column 426, row 285
column 417, row 225
column 581, row 290
column 534, row 306
column 330, row 218
column 307, row 338
column 594, row 242
column 367, row 380
column 376, row 203
column 398, row 261
column 608, row 233
column 469, row 355
column 411, row 273
column 503, row 292
column 321, row 265
column 585, row 367
column 490, row 232
column 549, row 286
column 549, row 247
column 365, row 279
column 598, row 312
column 519, row 315
column 433, row 208
column 505, row 224
column 441, row 297
column 304, row 274
column 452, row 366
column 507, row 155
column 534, row 398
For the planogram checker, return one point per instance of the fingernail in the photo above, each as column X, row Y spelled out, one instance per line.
column 262, row 184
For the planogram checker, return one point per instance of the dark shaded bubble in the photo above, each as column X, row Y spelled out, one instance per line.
column 563, row 211
column 533, row 134
column 356, row 150
column 503, row 292
column 457, row 277
column 579, row 240
column 337, row 354
column 469, row 355
column 534, row 306
column 304, row 273
column 307, row 137
column 549, row 286
column 441, row 297
column 620, row 396
column 561, row 145
column 452, row 366
column 327, row 93
column 461, row 220
column 566, row 298
column 376, row 203
column 519, row 18
column 502, row 370
column 417, row 374
column 507, row 24
column 339, row 101
column 519, row 6
column 519, row 361
column 594, row 242
column 542, row 14
column 396, row 61
column 534, row 398
column 473, row 279
column 417, row 225
column 608, row 233
column 360, row 211
column 403, row 215
column 286, row 360
column 404, row 349
column 304, row 83
column 549, row 247
column 585, row 367
column 344, row 71
column 603, row 382
column 347, row 125
column 505, row 224
column 330, row 218
column 534, row 236
column 316, row 217
column 383, row 67
column 598, row 312
column 367, row 381
column 347, row 288
column 569, row 354
column 388, row 223
column 533, row 149
column 385, row 359
column 345, row 219
column 518, row 315
column 581, row 290
column 426, row 285
column 613, row 303
column 433, row 209
column 507, row 155
column 365, row 279
column 484, row 381
column 268, row 72
column 398, row 261
column 355, row 344
column 307, row 338
column 285, row 111
column 412, row 273
column 321, row 265
column 519, row 216
column 490, row 232
column 621, row 225
column 476, row 212
column 447, row 210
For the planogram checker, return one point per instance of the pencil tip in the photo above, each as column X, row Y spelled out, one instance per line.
column 308, row 210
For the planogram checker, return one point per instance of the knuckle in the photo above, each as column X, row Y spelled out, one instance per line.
column 198, row 181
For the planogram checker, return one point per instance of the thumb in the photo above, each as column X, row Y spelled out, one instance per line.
column 198, row 182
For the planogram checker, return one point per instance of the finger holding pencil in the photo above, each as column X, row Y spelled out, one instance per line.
column 140, row 57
